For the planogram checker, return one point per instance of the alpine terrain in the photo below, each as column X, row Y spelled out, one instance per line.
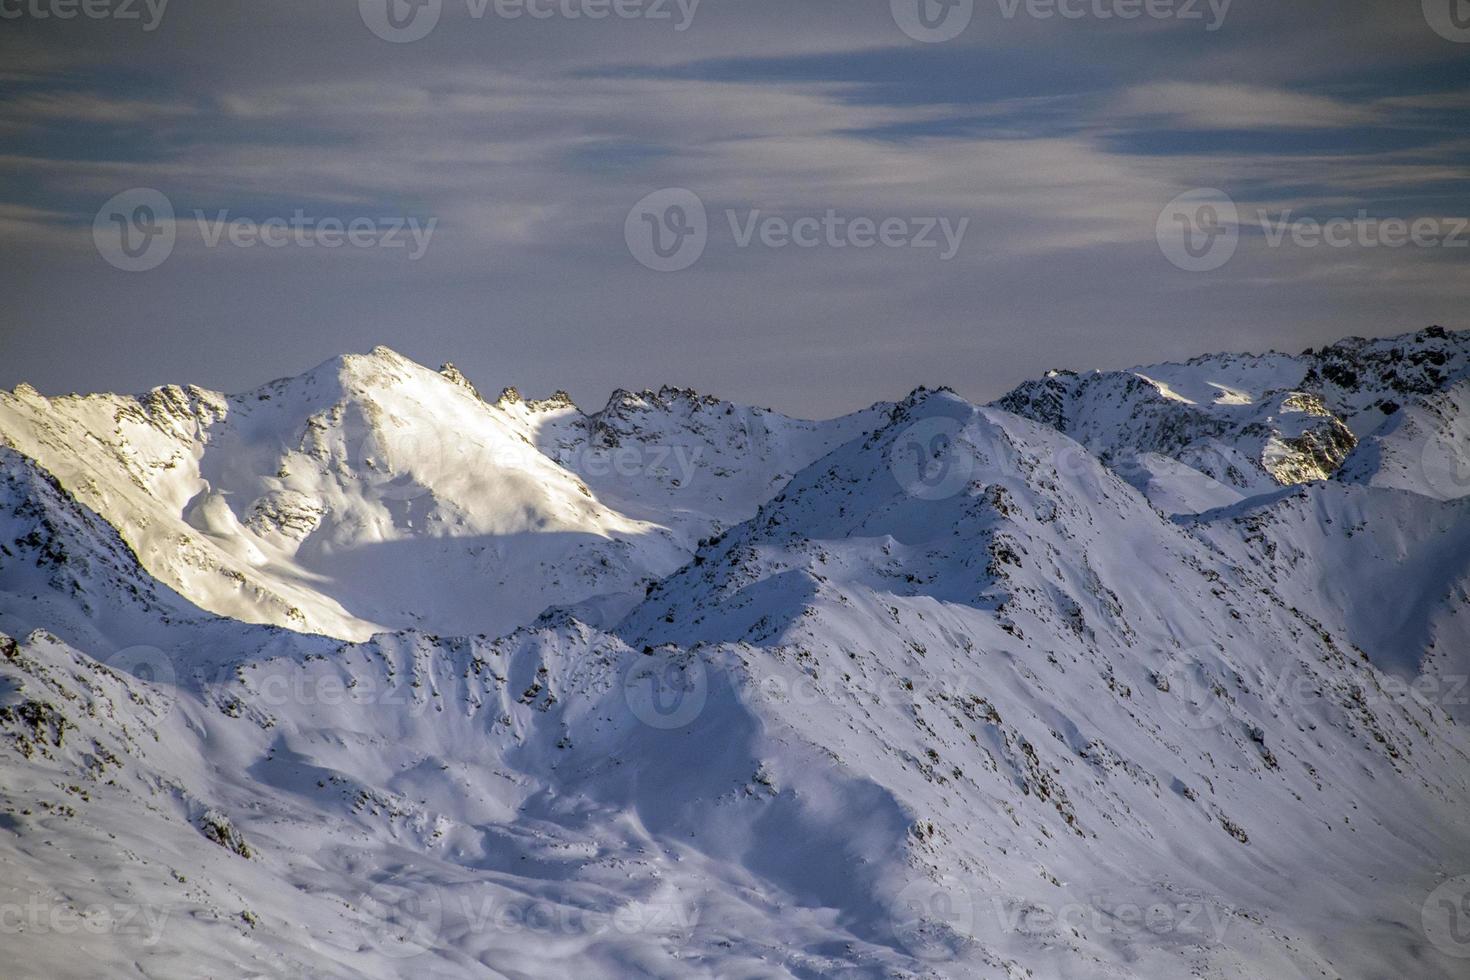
column 1155, row 673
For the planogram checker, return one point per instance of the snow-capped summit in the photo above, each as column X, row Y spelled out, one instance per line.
column 365, row 494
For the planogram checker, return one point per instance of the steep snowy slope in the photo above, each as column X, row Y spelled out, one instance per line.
column 1071, row 702
column 60, row 562
column 68, row 573
column 1242, row 422
column 368, row 493
column 1390, row 566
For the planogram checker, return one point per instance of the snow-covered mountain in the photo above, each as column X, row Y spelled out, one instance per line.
column 929, row 690
column 1224, row 427
column 372, row 493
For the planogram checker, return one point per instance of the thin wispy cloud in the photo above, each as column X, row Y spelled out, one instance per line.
column 1240, row 107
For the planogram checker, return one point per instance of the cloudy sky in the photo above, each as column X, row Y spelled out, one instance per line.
column 881, row 194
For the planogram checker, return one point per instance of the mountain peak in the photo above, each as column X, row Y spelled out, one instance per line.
column 924, row 400
column 365, row 374
column 559, row 399
column 379, row 358
column 453, row 375
column 665, row 398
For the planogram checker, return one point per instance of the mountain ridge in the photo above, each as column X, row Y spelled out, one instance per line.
column 955, row 696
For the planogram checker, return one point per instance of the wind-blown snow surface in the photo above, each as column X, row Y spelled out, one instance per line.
column 926, row 691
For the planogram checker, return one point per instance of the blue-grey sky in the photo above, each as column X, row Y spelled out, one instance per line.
column 1051, row 134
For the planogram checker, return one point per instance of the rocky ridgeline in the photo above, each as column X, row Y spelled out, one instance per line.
column 1261, row 421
